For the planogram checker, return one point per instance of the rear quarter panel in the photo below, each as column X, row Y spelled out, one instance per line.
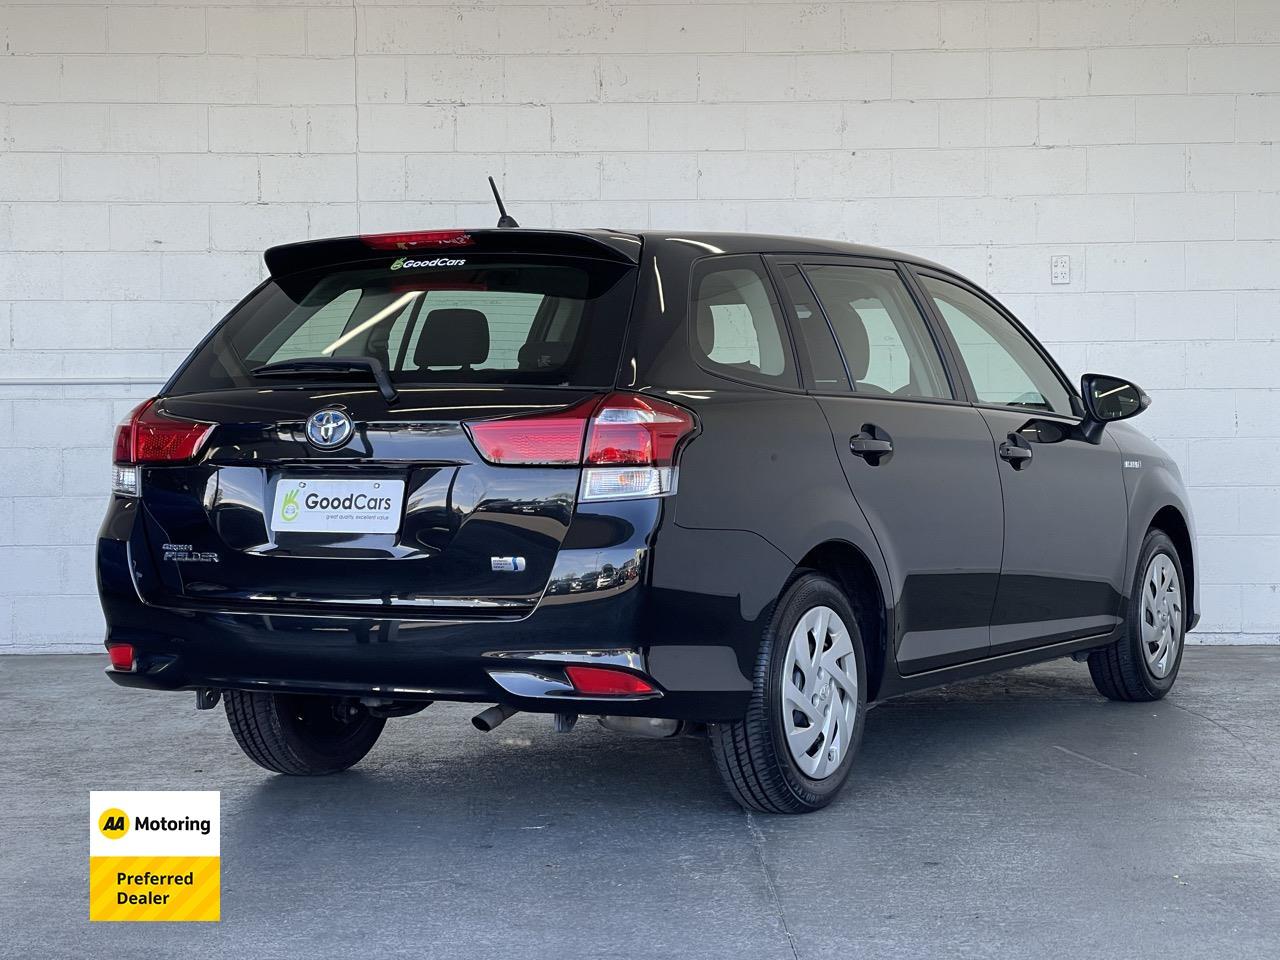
column 762, row 473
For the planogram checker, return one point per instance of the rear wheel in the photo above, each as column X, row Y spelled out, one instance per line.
column 1143, row 663
column 793, row 750
column 301, row 734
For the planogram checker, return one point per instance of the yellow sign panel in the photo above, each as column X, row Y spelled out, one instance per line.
column 154, row 855
column 154, row 888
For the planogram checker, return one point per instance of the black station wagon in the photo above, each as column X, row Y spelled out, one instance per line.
column 723, row 485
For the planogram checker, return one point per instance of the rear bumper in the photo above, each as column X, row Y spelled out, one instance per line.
column 422, row 660
column 690, row 628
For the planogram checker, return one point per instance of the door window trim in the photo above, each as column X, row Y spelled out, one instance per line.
column 959, row 388
column 915, row 272
column 800, row 345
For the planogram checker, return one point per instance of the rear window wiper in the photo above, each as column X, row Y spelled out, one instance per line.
column 284, row 368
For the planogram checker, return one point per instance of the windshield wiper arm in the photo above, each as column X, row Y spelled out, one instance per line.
column 283, row 368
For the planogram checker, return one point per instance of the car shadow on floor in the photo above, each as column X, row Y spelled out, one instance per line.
column 525, row 771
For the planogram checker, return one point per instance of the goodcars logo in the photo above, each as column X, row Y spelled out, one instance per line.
column 356, row 501
column 405, row 262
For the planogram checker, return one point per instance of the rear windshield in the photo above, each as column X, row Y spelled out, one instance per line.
column 488, row 319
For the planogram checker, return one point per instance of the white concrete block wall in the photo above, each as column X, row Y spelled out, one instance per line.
column 149, row 151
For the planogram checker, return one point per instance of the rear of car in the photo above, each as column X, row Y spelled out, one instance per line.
column 401, row 470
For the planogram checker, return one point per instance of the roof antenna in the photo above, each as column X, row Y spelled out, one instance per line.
column 504, row 221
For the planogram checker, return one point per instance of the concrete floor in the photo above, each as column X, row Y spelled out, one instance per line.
column 1015, row 816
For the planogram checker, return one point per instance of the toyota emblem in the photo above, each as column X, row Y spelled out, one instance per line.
column 329, row 429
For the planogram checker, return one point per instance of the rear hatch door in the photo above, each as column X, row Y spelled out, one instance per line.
column 314, row 492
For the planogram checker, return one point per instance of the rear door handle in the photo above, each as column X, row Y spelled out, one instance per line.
column 1015, row 451
column 871, row 444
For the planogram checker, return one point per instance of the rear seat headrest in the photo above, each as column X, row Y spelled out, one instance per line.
column 453, row 337
column 543, row 355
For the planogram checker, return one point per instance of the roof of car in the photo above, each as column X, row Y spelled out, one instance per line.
column 772, row 243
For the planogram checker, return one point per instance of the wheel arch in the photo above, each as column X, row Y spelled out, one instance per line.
column 1171, row 521
column 853, row 571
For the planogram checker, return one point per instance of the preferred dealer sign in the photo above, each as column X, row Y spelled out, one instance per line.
column 154, row 855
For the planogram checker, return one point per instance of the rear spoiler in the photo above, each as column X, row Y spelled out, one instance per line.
column 308, row 255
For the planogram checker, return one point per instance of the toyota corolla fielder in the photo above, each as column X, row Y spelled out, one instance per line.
column 734, row 486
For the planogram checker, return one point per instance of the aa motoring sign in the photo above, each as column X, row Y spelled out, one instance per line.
column 154, row 855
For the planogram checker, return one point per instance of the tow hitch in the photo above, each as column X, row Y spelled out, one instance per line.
column 207, row 697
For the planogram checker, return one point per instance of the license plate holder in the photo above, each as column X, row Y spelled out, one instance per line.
column 337, row 506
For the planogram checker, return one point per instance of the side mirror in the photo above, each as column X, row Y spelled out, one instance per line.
column 1107, row 399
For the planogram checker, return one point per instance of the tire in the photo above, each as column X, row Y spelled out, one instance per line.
column 753, row 755
column 300, row 734
column 1130, row 668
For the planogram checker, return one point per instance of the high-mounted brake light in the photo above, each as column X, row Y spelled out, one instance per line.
column 145, row 436
column 626, row 442
column 417, row 240
column 607, row 682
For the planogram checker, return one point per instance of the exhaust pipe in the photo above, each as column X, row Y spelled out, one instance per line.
column 486, row 721
column 655, row 728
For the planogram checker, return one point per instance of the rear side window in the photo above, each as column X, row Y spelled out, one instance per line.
column 492, row 320
column 885, row 343
column 737, row 330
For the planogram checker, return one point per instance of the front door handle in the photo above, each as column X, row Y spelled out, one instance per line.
column 1016, row 451
column 872, row 444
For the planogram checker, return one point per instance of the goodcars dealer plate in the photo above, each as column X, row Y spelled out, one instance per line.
column 337, row 506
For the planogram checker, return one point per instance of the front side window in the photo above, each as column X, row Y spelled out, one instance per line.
column 1003, row 366
column 736, row 328
column 885, row 343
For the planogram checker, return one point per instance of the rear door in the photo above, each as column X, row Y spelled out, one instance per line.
column 1066, row 515
column 403, row 513
column 917, row 457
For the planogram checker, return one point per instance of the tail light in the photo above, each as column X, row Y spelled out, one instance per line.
column 541, row 439
column 606, row 682
column 631, row 447
column 146, row 436
column 626, row 443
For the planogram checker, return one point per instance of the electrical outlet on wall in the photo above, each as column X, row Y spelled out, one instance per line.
column 1059, row 269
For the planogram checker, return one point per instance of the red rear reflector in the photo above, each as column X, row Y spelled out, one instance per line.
column 121, row 655
column 420, row 238
column 147, row 437
column 604, row 682
column 549, row 439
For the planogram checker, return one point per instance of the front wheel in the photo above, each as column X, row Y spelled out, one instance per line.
column 301, row 734
column 793, row 750
column 1144, row 662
